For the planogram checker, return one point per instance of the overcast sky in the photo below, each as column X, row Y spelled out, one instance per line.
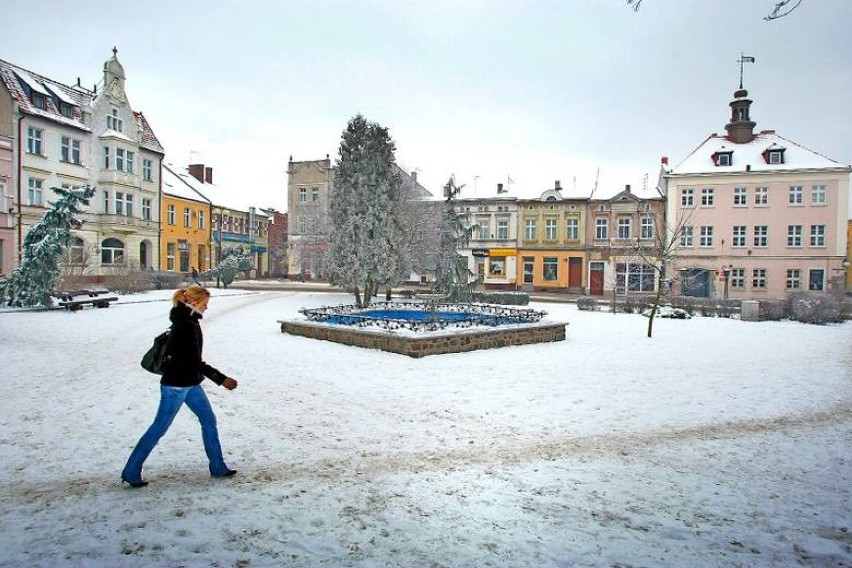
column 486, row 90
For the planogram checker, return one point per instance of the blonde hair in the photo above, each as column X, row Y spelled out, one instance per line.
column 190, row 295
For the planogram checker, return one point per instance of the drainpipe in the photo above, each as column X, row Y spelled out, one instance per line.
column 20, row 175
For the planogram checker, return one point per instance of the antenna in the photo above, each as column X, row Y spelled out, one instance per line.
column 595, row 188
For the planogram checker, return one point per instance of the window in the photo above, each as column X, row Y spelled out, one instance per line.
column 634, row 277
column 502, row 229
column 69, row 150
column 816, row 280
column 740, row 197
column 624, row 229
column 75, row 251
column 761, row 235
column 38, row 100
column 739, row 237
column 201, row 219
column 550, row 229
column 550, row 269
column 497, row 266
column 686, row 236
column 315, row 194
column 738, row 278
column 35, row 191
column 129, row 163
column 707, row 197
column 170, row 214
column 66, row 110
column 119, row 203
column 529, row 229
column 187, row 217
column 119, row 159
column 706, row 239
column 128, row 204
column 794, row 279
column 724, row 158
column 758, row 278
column 106, row 201
column 112, row 251
column 818, row 195
column 776, row 156
column 687, row 197
column 146, row 209
column 106, row 157
column 34, row 142
column 817, row 235
column 170, row 256
column 113, row 122
column 601, row 226
column 147, row 171
column 572, row 229
column 303, row 195
column 795, row 195
column 647, row 227
column 761, row 196
column 482, row 229
column 794, row 235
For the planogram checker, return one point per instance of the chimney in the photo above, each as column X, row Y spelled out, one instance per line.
column 197, row 171
column 557, row 186
column 414, row 177
column 627, row 188
column 208, row 175
column 499, row 188
column 664, row 160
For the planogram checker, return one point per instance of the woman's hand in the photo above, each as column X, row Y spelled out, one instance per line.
column 229, row 383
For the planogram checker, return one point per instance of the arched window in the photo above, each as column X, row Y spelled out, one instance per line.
column 75, row 252
column 112, row 251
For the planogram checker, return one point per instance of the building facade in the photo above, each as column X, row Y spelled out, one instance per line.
column 69, row 136
column 492, row 252
column 186, row 224
column 761, row 216
column 623, row 242
column 8, row 205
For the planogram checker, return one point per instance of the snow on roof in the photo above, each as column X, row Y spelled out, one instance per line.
column 752, row 156
column 110, row 133
column 181, row 185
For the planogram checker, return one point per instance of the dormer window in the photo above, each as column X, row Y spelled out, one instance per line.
column 38, row 100
column 723, row 158
column 774, row 155
column 66, row 110
column 113, row 122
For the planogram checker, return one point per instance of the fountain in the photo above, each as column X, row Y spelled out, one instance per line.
column 429, row 326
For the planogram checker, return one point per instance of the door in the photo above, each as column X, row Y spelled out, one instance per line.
column 529, row 267
column 575, row 272
column 596, row 278
column 695, row 283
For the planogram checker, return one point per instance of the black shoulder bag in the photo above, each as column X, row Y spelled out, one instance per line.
column 155, row 359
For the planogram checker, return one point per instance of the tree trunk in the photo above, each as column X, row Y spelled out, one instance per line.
column 656, row 305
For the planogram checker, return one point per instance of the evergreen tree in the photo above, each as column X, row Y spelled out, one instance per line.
column 452, row 275
column 33, row 283
column 367, row 237
column 234, row 260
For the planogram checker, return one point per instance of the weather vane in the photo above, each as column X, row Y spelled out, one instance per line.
column 741, row 60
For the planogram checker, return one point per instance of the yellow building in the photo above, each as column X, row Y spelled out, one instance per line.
column 186, row 213
column 552, row 243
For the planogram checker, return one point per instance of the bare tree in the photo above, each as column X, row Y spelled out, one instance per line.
column 660, row 254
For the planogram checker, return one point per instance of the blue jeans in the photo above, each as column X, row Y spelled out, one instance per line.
column 171, row 399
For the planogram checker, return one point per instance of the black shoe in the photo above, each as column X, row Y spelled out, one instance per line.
column 134, row 484
column 227, row 473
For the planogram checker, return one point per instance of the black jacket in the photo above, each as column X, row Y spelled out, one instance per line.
column 185, row 367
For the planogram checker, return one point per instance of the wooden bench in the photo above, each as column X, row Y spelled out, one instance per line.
column 74, row 305
column 91, row 297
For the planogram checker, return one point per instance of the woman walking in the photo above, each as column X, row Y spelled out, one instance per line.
column 181, row 383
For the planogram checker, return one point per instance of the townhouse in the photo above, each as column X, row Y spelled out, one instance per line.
column 760, row 215
column 69, row 136
column 186, row 234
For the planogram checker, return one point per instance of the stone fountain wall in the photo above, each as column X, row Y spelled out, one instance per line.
column 433, row 344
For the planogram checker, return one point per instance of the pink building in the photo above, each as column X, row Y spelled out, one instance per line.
column 7, row 208
column 760, row 216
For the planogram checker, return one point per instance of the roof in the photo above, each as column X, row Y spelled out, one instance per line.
column 19, row 81
column 181, row 185
column 752, row 156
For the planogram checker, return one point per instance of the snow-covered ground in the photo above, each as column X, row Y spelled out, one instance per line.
column 716, row 443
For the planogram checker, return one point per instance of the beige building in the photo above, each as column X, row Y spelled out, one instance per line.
column 69, row 136
column 762, row 216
